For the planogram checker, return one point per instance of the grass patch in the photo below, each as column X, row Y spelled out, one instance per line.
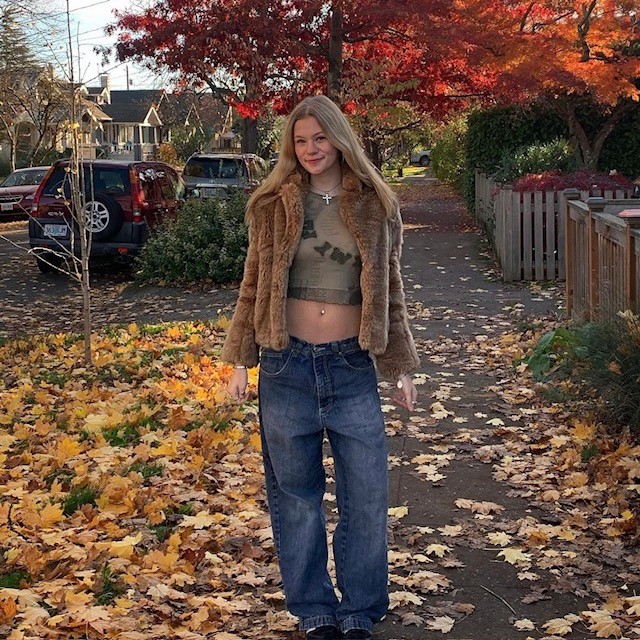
column 124, row 436
column 14, row 580
column 146, row 470
column 108, row 586
column 78, row 497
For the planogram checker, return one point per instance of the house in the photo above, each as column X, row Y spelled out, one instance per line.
column 138, row 121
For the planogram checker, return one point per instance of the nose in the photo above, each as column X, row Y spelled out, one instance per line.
column 311, row 147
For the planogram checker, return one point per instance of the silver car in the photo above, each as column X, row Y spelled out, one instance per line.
column 211, row 175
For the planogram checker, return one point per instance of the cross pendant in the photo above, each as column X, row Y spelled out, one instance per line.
column 327, row 198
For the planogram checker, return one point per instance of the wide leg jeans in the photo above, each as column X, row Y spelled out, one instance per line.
column 305, row 391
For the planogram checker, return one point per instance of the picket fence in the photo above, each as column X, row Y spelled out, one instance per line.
column 528, row 229
column 603, row 258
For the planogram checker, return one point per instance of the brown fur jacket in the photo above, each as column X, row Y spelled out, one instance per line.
column 275, row 228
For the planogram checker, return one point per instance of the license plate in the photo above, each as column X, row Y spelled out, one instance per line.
column 55, row 230
column 6, row 206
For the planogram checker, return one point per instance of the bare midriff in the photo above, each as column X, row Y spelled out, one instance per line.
column 320, row 322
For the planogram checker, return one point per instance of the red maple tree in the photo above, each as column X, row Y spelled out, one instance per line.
column 567, row 52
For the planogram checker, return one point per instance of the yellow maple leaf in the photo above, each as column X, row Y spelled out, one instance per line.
column 514, row 555
column 202, row 520
column 124, row 548
column 398, row 512
column 439, row 550
column 583, row 431
column 499, row 538
column 603, row 624
column 558, row 627
column 50, row 515
column 403, row 598
column 441, row 623
column 256, row 442
column 66, row 449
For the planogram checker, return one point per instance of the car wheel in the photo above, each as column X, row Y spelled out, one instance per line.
column 48, row 262
column 103, row 217
column 424, row 161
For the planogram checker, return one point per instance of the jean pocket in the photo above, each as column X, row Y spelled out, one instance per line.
column 357, row 360
column 273, row 363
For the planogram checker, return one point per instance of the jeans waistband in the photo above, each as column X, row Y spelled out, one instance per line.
column 350, row 345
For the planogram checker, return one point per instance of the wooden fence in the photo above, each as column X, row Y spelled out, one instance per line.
column 603, row 257
column 527, row 229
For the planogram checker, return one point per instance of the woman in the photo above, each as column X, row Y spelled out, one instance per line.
column 321, row 294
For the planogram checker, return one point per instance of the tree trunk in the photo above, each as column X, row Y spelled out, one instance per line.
column 249, row 135
column 336, row 43
column 590, row 149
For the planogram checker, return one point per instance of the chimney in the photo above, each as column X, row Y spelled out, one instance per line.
column 106, row 87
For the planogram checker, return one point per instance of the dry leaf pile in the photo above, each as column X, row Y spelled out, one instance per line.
column 131, row 494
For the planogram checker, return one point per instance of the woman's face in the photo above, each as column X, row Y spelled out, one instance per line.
column 313, row 150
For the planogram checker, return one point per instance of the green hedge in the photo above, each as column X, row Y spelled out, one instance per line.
column 206, row 242
column 503, row 129
column 448, row 160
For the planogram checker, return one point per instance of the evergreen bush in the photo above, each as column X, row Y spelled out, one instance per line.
column 536, row 158
column 206, row 242
column 448, row 160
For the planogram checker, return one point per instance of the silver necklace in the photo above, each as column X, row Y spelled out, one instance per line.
column 326, row 197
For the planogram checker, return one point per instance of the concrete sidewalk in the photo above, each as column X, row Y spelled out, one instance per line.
column 456, row 299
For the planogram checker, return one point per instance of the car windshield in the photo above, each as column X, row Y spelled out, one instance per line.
column 23, row 178
column 215, row 168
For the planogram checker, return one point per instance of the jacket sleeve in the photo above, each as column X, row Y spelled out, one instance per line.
column 240, row 345
column 400, row 356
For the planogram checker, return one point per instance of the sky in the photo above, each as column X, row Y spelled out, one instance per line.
column 88, row 20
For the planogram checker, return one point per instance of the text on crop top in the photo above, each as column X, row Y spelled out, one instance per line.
column 327, row 264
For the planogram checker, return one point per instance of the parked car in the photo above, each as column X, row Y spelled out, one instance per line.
column 210, row 175
column 17, row 191
column 124, row 201
column 421, row 157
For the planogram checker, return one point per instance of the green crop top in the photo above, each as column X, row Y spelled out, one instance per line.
column 327, row 265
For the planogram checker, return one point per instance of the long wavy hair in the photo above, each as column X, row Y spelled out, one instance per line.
column 340, row 134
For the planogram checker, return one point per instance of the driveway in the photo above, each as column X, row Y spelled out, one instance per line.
column 37, row 303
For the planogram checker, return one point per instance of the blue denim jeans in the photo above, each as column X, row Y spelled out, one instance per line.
column 306, row 390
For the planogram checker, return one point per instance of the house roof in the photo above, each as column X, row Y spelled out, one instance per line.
column 131, row 106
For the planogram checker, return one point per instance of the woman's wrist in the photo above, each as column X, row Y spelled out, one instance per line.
column 401, row 377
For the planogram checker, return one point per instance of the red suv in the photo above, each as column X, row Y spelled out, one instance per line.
column 123, row 202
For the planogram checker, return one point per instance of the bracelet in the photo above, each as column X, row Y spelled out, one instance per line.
column 239, row 366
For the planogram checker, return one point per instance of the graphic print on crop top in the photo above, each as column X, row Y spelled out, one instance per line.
column 327, row 265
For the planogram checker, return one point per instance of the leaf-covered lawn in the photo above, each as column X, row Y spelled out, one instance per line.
column 131, row 494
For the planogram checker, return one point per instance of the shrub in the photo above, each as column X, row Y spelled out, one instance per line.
column 167, row 153
column 536, row 158
column 448, row 154
column 584, row 179
column 602, row 361
column 207, row 241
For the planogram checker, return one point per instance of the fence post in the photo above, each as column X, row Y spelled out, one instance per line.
column 596, row 205
column 569, row 239
column 632, row 218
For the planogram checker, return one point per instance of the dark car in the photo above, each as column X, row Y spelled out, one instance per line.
column 210, row 175
column 123, row 202
column 17, row 191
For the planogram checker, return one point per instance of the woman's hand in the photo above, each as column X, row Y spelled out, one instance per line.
column 237, row 387
column 407, row 395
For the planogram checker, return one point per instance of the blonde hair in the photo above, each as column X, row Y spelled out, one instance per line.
column 338, row 131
